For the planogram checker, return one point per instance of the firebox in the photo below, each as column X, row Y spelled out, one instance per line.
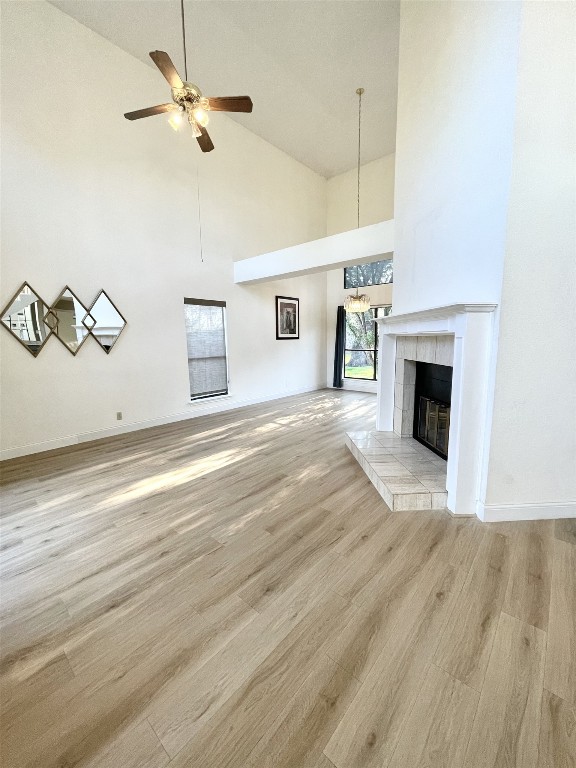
column 433, row 393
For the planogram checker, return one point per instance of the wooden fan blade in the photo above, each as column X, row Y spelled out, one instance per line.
column 164, row 64
column 205, row 141
column 149, row 111
column 230, row 103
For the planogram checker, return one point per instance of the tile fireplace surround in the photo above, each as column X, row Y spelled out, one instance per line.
column 461, row 335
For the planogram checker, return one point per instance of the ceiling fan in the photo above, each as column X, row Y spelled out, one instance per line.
column 187, row 98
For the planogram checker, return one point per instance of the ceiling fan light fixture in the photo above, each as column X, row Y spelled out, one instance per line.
column 176, row 119
column 201, row 116
column 194, row 125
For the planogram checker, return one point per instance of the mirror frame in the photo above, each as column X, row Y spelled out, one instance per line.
column 56, row 300
column 91, row 328
column 44, row 316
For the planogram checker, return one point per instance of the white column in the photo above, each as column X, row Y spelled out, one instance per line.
column 386, row 375
column 470, row 378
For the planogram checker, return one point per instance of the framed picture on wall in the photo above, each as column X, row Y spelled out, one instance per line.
column 287, row 317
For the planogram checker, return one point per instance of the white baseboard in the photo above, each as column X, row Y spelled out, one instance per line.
column 493, row 513
column 193, row 411
column 360, row 386
column 47, row 445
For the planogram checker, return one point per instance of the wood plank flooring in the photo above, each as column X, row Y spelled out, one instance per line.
column 232, row 592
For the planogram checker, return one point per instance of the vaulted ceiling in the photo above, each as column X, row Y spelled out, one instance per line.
column 300, row 61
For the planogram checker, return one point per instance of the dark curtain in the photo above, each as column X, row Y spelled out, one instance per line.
column 339, row 348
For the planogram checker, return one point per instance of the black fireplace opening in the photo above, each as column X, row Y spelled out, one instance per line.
column 432, row 397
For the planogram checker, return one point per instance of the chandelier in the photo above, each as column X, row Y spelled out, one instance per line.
column 358, row 302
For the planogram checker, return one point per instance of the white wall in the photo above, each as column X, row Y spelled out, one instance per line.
column 94, row 201
column 485, row 212
column 376, row 196
column 376, row 204
column 533, row 450
column 456, row 97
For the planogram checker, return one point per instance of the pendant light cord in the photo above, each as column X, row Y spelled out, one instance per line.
column 184, row 40
column 359, row 91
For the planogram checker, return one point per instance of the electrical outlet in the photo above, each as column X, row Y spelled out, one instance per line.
column 119, row 416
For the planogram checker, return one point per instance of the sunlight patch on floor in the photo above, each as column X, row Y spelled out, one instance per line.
column 181, row 476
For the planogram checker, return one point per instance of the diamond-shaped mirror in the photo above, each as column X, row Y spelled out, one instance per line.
column 104, row 321
column 24, row 317
column 69, row 312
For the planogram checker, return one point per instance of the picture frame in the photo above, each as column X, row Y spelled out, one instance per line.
column 287, row 318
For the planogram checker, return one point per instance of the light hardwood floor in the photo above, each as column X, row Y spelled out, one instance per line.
column 231, row 592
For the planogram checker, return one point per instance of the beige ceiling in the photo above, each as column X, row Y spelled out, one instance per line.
column 300, row 61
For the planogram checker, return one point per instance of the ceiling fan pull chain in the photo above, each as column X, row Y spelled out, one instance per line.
column 199, row 214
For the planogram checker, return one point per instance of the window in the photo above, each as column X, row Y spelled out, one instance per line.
column 361, row 346
column 206, row 341
column 376, row 273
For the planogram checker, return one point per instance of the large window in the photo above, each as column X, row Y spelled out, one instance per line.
column 361, row 348
column 376, row 273
column 206, row 340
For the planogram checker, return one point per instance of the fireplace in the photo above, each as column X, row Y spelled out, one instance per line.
column 433, row 425
column 433, row 392
column 461, row 337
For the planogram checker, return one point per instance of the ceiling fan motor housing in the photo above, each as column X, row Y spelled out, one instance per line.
column 189, row 94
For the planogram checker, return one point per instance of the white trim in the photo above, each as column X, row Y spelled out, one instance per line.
column 205, row 399
column 493, row 513
column 435, row 313
column 200, row 408
column 48, row 445
column 360, row 385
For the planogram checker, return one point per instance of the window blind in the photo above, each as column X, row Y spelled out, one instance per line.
column 206, row 341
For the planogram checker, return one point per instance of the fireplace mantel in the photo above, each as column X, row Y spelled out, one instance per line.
column 474, row 328
column 433, row 321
